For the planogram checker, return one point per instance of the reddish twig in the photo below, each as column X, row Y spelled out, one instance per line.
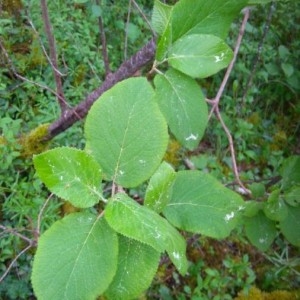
column 53, row 56
column 103, row 43
column 215, row 102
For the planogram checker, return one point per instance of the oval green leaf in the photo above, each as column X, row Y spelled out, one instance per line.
column 293, row 196
column 199, row 203
column 71, row 174
column 137, row 265
column 126, row 132
column 183, row 105
column 275, row 208
column 260, row 230
column 290, row 226
column 202, row 16
column 199, row 55
column 138, row 222
column 76, row 258
column 290, row 172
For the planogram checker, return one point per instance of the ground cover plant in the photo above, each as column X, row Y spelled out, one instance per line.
column 137, row 184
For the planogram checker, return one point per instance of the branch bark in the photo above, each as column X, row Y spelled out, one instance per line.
column 126, row 70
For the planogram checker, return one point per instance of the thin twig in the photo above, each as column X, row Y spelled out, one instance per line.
column 13, row 261
column 39, row 219
column 43, row 48
column 144, row 17
column 14, row 232
column 53, row 56
column 126, row 30
column 16, row 74
column 103, row 43
column 216, row 101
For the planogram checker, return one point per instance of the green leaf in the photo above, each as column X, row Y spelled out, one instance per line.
column 202, row 16
column 199, row 55
column 76, row 258
column 157, row 193
column 137, row 265
column 251, row 208
column 261, row 231
column 161, row 21
column 275, row 208
column 293, row 197
column 71, row 174
column 290, row 172
column 97, row 11
column 200, row 204
column 252, row 2
column 138, row 222
column 290, row 226
column 183, row 105
column 126, row 132
column 161, row 15
column 133, row 32
column 288, row 69
column 257, row 189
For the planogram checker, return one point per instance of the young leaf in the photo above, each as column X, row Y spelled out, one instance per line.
column 137, row 265
column 261, row 231
column 293, row 196
column 200, row 204
column 252, row 2
column 251, row 208
column 202, row 16
column 161, row 21
column 275, row 208
column 71, row 174
column 157, row 193
column 126, row 132
column 290, row 172
column 183, row 105
column 76, row 258
column 199, row 55
column 290, row 226
column 138, row 222
column 161, row 15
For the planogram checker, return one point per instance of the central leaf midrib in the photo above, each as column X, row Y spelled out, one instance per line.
column 123, row 143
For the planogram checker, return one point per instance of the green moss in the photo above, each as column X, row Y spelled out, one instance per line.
column 33, row 142
column 13, row 7
column 257, row 294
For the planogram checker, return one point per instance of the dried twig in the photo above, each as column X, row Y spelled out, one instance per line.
column 144, row 17
column 16, row 233
column 103, row 43
column 13, row 261
column 43, row 47
column 39, row 219
column 126, row 29
column 53, row 56
column 16, row 74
